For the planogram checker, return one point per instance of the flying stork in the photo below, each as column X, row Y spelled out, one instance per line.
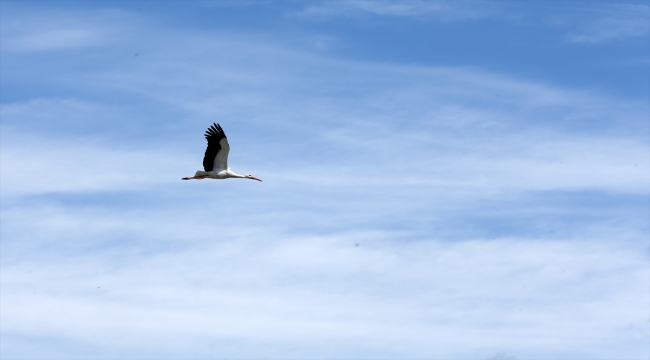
column 215, row 161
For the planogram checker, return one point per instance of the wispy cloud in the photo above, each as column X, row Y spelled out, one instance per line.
column 615, row 22
column 399, row 299
column 443, row 10
column 40, row 32
column 597, row 24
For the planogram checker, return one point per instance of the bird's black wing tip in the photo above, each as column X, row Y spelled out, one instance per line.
column 215, row 130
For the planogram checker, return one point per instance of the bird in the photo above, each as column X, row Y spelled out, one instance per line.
column 215, row 161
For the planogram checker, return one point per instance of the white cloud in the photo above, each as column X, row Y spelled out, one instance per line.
column 596, row 24
column 58, row 167
column 444, row 10
column 64, row 145
column 440, row 157
column 621, row 21
column 40, row 32
column 323, row 295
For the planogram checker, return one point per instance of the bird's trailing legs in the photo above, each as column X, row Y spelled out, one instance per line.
column 194, row 178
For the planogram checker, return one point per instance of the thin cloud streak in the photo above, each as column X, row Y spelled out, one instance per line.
column 621, row 21
column 40, row 32
column 442, row 10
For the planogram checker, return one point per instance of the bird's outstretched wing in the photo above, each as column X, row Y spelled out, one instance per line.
column 216, row 155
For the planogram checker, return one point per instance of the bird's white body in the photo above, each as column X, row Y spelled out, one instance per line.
column 218, row 174
column 215, row 161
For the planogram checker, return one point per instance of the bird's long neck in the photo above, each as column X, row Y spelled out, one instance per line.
column 233, row 174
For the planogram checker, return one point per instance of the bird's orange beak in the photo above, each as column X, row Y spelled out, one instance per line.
column 254, row 178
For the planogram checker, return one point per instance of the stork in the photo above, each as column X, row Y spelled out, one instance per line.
column 215, row 161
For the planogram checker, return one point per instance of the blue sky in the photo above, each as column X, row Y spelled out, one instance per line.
column 442, row 180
